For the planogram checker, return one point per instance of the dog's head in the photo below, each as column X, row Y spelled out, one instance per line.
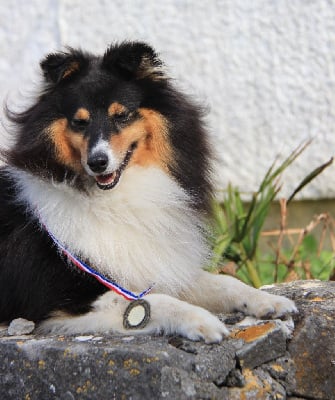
column 105, row 120
column 97, row 116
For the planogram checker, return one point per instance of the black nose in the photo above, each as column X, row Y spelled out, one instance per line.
column 98, row 162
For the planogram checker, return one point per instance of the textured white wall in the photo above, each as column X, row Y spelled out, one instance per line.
column 265, row 68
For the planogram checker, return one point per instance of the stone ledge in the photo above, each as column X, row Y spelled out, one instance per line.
column 257, row 361
column 313, row 346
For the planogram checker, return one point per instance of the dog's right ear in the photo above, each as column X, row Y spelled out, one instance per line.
column 133, row 60
column 63, row 65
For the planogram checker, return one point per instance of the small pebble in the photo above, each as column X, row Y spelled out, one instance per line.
column 83, row 338
column 97, row 338
column 20, row 326
column 128, row 338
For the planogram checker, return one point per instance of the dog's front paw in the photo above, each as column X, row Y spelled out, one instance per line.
column 173, row 316
column 266, row 305
column 199, row 324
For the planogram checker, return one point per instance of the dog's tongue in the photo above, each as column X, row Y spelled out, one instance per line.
column 106, row 179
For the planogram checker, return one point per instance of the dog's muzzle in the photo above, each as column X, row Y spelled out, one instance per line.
column 98, row 163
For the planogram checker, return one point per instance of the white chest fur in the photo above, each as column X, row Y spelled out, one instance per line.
column 140, row 233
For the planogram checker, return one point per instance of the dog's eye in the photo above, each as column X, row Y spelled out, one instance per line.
column 79, row 124
column 121, row 118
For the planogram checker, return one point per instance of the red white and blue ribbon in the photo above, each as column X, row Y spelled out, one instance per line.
column 127, row 294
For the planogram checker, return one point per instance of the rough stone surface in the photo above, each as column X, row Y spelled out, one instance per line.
column 255, row 362
column 258, row 385
column 312, row 347
column 263, row 342
column 283, row 371
column 103, row 367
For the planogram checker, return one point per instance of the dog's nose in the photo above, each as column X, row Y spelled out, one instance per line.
column 98, row 162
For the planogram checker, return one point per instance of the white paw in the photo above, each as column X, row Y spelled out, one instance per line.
column 266, row 305
column 199, row 324
column 173, row 316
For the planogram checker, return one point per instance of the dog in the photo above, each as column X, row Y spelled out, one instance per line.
column 110, row 169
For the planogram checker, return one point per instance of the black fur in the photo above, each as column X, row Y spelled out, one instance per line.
column 34, row 279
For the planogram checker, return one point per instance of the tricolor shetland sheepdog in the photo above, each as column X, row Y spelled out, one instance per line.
column 110, row 167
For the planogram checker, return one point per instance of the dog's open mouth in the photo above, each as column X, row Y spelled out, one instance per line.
column 109, row 181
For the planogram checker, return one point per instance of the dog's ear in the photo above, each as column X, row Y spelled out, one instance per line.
column 133, row 60
column 63, row 65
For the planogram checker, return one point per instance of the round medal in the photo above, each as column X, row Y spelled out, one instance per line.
column 137, row 315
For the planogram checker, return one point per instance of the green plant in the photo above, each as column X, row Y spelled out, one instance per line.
column 238, row 226
column 307, row 256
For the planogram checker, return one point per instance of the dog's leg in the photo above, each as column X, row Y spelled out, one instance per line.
column 222, row 293
column 168, row 315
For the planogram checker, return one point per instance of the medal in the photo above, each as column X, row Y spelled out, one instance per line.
column 137, row 314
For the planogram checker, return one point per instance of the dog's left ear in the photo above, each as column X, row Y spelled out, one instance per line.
column 133, row 60
column 63, row 65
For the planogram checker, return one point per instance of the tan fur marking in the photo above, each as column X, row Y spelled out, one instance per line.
column 116, row 108
column 73, row 67
column 69, row 145
column 121, row 142
column 155, row 148
column 82, row 113
column 151, row 134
